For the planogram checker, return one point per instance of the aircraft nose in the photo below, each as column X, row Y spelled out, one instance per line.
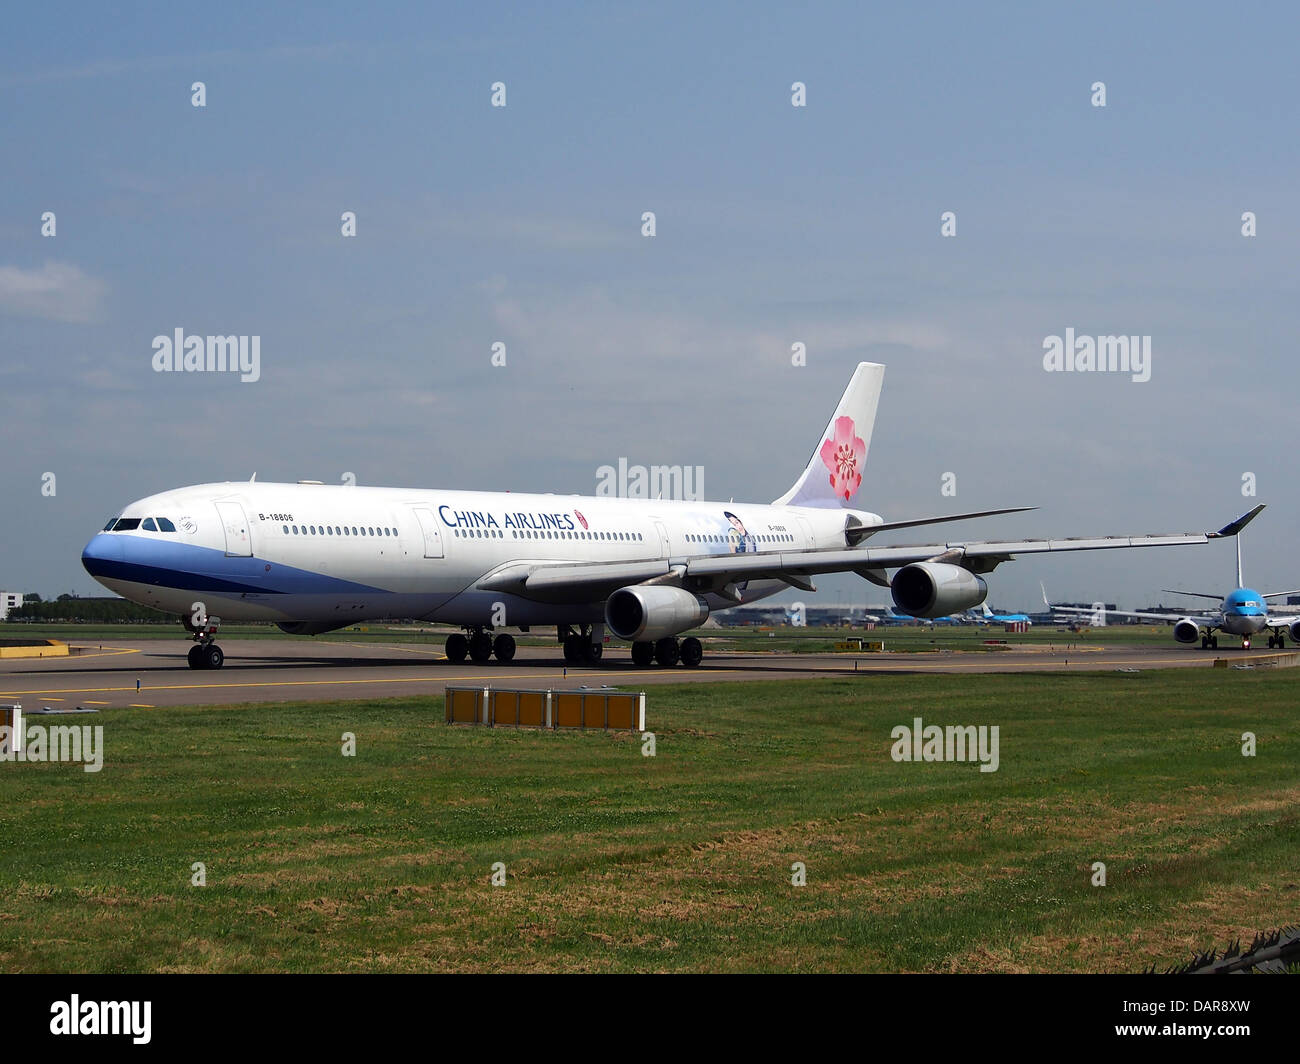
column 100, row 553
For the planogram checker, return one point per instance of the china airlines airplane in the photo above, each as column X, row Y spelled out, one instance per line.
column 313, row 557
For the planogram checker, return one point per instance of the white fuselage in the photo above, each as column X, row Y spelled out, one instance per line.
column 323, row 553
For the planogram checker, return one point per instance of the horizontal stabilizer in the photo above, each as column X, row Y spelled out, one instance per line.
column 857, row 535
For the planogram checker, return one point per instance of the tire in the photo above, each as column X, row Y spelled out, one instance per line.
column 668, row 652
column 457, row 648
column 480, row 648
column 643, row 654
column 503, row 647
column 692, row 652
column 213, row 657
column 573, row 649
column 195, row 657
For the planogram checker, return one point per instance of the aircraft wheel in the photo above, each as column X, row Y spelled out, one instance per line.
column 213, row 657
column 195, row 657
column 643, row 654
column 692, row 652
column 1245, row 644
column 667, row 652
column 1214, row 642
column 480, row 648
column 573, row 649
column 457, row 648
column 504, row 648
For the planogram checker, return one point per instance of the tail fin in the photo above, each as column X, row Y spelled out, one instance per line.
column 834, row 472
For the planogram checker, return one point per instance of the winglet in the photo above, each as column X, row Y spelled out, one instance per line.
column 1044, row 590
column 1236, row 526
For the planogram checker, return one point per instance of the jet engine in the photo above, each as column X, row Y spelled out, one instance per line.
column 645, row 612
column 1294, row 629
column 1186, row 631
column 936, row 589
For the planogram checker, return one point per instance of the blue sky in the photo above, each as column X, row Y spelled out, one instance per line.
column 775, row 225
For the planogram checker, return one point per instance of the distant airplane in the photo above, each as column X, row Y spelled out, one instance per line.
column 314, row 558
column 987, row 616
column 1242, row 612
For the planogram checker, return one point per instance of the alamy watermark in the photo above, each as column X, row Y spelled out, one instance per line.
column 20, row 741
column 179, row 353
column 933, row 742
column 682, row 483
column 1098, row 354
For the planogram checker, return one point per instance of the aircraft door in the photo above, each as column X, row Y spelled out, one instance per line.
column 805, row 526
column 235, row 525
column 430, row 532
column 665, row 548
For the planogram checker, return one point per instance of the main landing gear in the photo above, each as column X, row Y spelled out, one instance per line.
column 581, row 647
column 479, row 646
column 1211, row 642
column 205, row 654
column 669, row 652
column 1277, row 641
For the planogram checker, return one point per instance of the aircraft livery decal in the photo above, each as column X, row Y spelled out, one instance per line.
column 843, row 454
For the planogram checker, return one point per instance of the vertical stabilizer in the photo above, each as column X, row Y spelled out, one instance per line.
column 834, row 472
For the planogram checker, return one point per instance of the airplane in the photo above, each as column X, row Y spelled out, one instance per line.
column 987, row 616
column 313, row 558
column 1242, row 611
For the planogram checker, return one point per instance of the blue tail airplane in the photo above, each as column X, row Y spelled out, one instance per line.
column 1242, row 612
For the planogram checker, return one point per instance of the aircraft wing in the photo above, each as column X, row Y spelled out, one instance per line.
column 547, row 581
column 1079, row 611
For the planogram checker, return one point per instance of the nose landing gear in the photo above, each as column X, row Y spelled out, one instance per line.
column 205, row 654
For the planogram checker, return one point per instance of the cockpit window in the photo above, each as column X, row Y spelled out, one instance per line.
column 164, row 525
column 148, row 525
column 126, row 524
column 109, row 527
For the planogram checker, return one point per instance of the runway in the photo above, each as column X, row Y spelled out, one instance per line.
column 277, row 670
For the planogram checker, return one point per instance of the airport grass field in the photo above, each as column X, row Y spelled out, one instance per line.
column 679, row 862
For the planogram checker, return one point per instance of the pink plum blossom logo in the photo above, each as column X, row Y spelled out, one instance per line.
column 843, row 454
column 578, row 514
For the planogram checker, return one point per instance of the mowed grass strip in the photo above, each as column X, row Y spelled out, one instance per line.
column 680, row 862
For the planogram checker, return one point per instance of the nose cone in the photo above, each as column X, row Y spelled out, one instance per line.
column 102, row 555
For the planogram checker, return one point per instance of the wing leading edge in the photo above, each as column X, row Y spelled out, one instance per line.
column 594, row 581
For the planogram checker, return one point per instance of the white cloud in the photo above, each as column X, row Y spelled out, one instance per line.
column 57, row 291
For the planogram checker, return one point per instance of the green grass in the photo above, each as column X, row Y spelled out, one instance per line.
column 619, row 862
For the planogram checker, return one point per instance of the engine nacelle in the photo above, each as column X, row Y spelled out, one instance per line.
column 936, row 589
column 310, row 627
column 1186, row 631
column 641, row 612
column 1294, row 629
